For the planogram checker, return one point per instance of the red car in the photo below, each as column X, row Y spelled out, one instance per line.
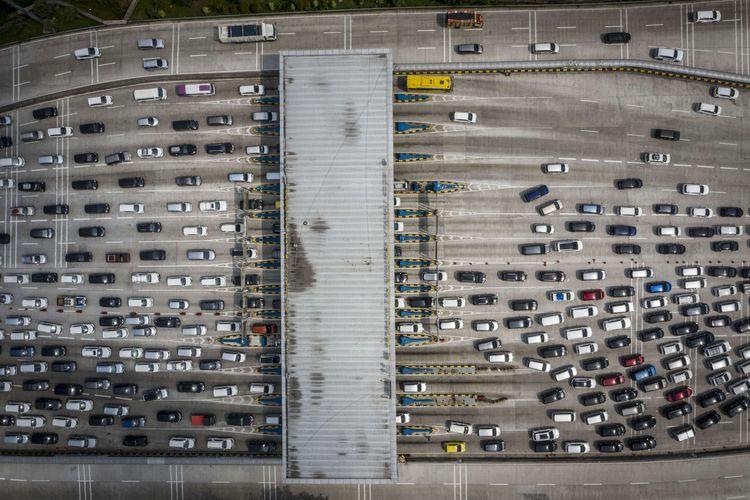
column 202, row 419
column 264, row 328
column 679, row 394
column 612, row 379
column 592, row 295
column 631, row 360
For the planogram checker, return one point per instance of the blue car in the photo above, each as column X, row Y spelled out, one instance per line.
column 658, row 287
column 134, row 422
column 643, row 372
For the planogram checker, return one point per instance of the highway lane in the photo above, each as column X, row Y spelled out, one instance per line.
column 44, row 66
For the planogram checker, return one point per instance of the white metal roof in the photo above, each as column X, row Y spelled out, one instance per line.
column 337, row 265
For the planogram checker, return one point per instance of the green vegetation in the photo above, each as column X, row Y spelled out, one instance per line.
column 103, row 9
column 15, row 27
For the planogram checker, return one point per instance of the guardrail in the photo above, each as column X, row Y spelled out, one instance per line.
column 581, row 66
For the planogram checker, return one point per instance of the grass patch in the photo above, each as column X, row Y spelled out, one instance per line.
column 16, row 28
column 104, row 9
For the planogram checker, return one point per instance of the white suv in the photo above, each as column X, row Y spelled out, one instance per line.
column 655, row 158
column 145, row 278
column 179, row 281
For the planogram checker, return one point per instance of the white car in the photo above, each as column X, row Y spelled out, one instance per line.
column 79, row 405
column 556, row 168
column 725, row 93
column 179, row 366
column 213, row 280
column 6, row 386
column 705, row 16
column 92, row 351
column 213, row 206
column 699, row 212
column 706, row 108
column 464, row 117
column 179, row 281
column 131, row 352
column 151, row 277
column 194, row 330
column 221, row 391
column 499, row 357
column 668, row 231
column 536, row 364
column 403, row 418
column 230, row 227
column 545, row 48
column 485, row 325
column 257, row 150
column 184, row 443
column 488, row 344
column 140, row 302
column 240, row 177
column 450, row 324
column 18, row 279
column 667, row 54
column 178, row 304
column 255, row 89
column 409, row 327
column 60, row 421
column 219, row 443
column 6, row 298
column 595, row 417
column 656, row 158
column 694, row 189
column 8, row 370
column 150, row 152
column 235, row 356
column 414, row 387
column 132, row 208
column 654, row 302
column 542, row 228
column 72, row 278
column 194, row 230
column 22, row 335
column 564, row 373
column 458, row 427
column 434, row 275
column 60, row 131
column 148, row 121
column 31, row 421
column 34, row 302
column 146, row 367
column 17, row 407
column 7, row 183
column 35, row 258
column 576, row 447
column 100, row 101
column 82, row 328
column 189, row 352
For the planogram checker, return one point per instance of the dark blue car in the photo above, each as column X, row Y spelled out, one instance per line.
column 658, row 287
column 643, row 372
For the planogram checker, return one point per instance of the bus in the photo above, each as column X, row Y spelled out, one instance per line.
column 434, row 83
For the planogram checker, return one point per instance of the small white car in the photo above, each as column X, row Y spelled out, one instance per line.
column 485, row 325
column 464, row 117
column 699, row 212
column 434, row 275
column 146, row 367
column 695, row 189
column 148, row 121
column 90, row 351
column 156, row 354
column 131, row 352
column 79, row 405
column 667, row 54
column 87, row 53
column 188, row 352
column 60, row 132
column 256, row 89
column 231, row 227
column 150, row 152
column 213, row 206
column 499, row 357
column 414, row 387
column 576, row 447
column 556, row 168
column 488, row 344
column 194, row 330
column 586, row 348
column 183, row 443
column 68, row 422
column 234, row 356
column 100, row 101
column 456, row 427
column 34, row 302
column 240, row 177
column 221, row 391
column 213, row 280
column 450, row 324
column 219, row 443
column 656, row 158
column 409, row 327
column 654, row 302
column 725, row 93
column 668, row 231
column 706, row 108
column 183, row 281
column 257, row 150
column 72, row 278
column 194, row 230
column 150, row 277
column 178, row 304
column 140, row 302
column 403, row 418
column 545, row 48
column 705, row 16
column 179, row 365
column 536, row 364
column 542, row 228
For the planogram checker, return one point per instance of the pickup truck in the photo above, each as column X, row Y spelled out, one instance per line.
column 113, row 258
column 71, row 301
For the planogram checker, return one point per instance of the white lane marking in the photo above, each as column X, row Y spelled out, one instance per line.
column 635, row 106
column 686, row 480
column 612, row 161
column 590, row 160
column 567, row 45
column 728, row 143
column 196, row 38
column 733, row 477
column 198, row 55
column 243, row 53
column 589, row 131
column 588, row 100
column 566, row 27
column 704, row 166
column 682, row 165
column 331, row 32
column 425, row 48
column 107, row 64
column 655, row 24
column 614, row 26
column 641, row 482
column 635, row 135
column 421, row 31
column 287, row 33
column 521, row 28
column 63, row 73
column 680, row 111
column 728, row 168
column 61, row 55
column 378, row 31
column 130, row 481
column 566, row 159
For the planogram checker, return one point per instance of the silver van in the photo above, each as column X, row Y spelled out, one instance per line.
column 201, row 254
column 12, row 161
column 51, row 160
column 82, row 442
column 47, row 327
column 179, row 206
column 550, row 319
column 32, row 136
column 577, row 332
column 631, row 408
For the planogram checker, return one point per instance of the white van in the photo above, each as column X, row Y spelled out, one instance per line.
column 641, row 272
column 60, row 132
column 100, row 101
column 628, row 210
column 550, row 319
column 577, row 332
column 133, row 208
column 728, row 230
column 696, row 283
column 718, row 291
column 583, row 312
column 87, row 53
column 220, row 443
column 82, row 442
column 463, row 117
column 535, row 338
column 452, row 302
column 536, row 364
column 562, row 415
column 179, row 206
column 228, row 326
column 119, row 333
column 273, row 176
column 193, row 89
column 150, row 94
column 690, row 270
column 257, row 89
column 46, row 327
column 593, row 275
column 668, row 231
column 450, row 324
column 612, row 324
column 620, row 307
column 12, row 161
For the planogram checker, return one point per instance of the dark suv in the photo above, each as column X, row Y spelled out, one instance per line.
column 471, row 277
column 131, row 182
column 85, row 184
column 665, row 208
column 216, row 148
column 42, row 113
column 86, row 158
column 152, row 255
column 182, row 149
column 183, row 125
column 149, row 227
column 91, row 128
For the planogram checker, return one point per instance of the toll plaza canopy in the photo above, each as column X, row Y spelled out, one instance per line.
column 338, row 354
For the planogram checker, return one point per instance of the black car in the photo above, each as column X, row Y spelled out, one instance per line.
column 670, row 248
column 652, row 333
column 188, row 180
column 721, row 271
column 708, row 419
column 516, row 322
column 22, row 351
column 524, row 305
column 139, row 441
column 153, row 394
column 86, row 158
column 97, row 383
column 211, row 305
column 112, row 320
column 618, row 341
column 710, row 397
column 553, row 351
column 242, row 419
column 485, row 299
column 32, row 187
column 657, row 317
column 591, row 364
column 609, row 446
column 85, row 184
column 512, row 275
column 471, row 277
column 699, row 309
column 543, row 446
column 5, row 142
column 42, row 113
column 125, row 389
column 735, row 406
column 78, row 257
column 182, row 149
column 550, row 276
column 641, row 443
column 193, row 387
column 42, row 232
column 642, row 422
column 624, row 394
column 152, row 255
column 580, row 226
column 676, row 410
column 665, row 208
column 592, row 398
column 630, row 183
column 44, row 277
column 209, row 364
column 110, row 302
column 255, row 303
column 96, row 208
column 684, row 328
column 719, row 321
column 48, row 404
column 171, row 416
column 552, row 395
column 91, row 128
column 7, row 420
column 666, row 134
column 70, row 390
column 219, row 120
column 621, row 230
column 56, row 209
column 44, row 438
column 621, row 291
column 699, row 339
column 610, row 430
column 182, row 125
column 4, row 238
column 627, row 249
column 101, row 278
column 731, row 212
column 131, row 182
column 35, row 385
column 167, row 322
column 616, row 37
column 91, row 232
column 149, row 227
column 54, row 351
column 725, row 246
column 700, row 232
column 216, row 148
column 420, row 302
column 64, row 367
column 261, row 447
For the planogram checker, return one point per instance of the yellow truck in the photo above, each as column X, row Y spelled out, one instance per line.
column 431, row 83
